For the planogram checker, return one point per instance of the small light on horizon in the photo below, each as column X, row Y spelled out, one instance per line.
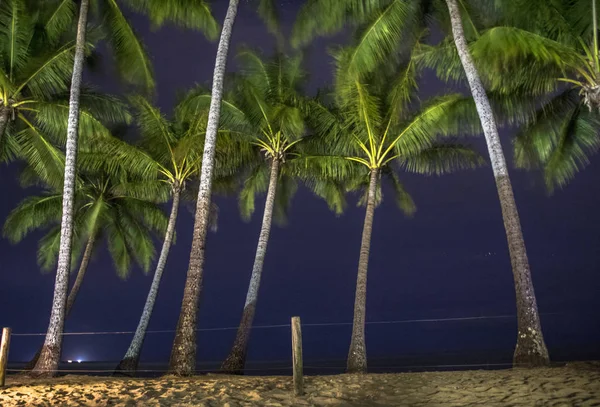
column 69, row 361
column 78, row 360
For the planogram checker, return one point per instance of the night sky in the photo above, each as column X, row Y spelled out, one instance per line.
column 450, row 260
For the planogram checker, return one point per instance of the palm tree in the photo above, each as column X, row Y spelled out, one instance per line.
column 168, row 158
column 381, row 28
column 531, row 349
column 35, row 75
column 134, row 66
column 263, row 110
column 183, row 353
column 104, row 209
column 370, row 135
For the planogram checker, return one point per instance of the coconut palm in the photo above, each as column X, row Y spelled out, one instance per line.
column 134, row 66
column 183, row 353
column 35, row 76
column 370, row 135
column 263, row 110
column 168, row 158
column 531, row 349
column 105, row 209
column 381, row 28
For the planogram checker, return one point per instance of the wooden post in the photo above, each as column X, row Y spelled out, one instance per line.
column 4, row 354
column 297, row 357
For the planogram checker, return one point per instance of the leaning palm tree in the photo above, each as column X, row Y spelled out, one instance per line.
column 183, row 353
column 531, row 349
column 370, row 135
column 262, row 110
column 385, row 29
column 135, row 67
column 168, row 158
column 105, row 209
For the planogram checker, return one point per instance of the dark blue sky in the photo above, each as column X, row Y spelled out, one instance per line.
column 450, row 260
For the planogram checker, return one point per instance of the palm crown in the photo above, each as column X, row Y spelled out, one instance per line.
column 104, row 208
column 372, row 126
column 34, row 81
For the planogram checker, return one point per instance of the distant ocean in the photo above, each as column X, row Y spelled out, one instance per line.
column 413, row 363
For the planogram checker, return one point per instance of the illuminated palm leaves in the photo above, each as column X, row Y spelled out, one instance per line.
column 103, row 208
column 371, row 127
column 35, row 73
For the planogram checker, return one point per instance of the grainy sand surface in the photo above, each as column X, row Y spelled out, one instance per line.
column 573, row 385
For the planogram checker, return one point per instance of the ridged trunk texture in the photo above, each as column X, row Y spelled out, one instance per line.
column 183, row 354
column 357, row 355
column 50, row 356
column 530, row 350
column 4, row 117
column 130, row 361
column 85, row 260
column 236, row 360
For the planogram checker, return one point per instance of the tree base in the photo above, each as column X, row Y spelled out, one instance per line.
column 531, row 350
column 47, row 364
column 127, row 367
column 530, row 360
column 235, row 363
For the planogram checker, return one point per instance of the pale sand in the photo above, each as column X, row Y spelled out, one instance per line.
column 574, row 385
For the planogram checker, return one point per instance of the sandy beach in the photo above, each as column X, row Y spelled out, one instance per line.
column 576, row 384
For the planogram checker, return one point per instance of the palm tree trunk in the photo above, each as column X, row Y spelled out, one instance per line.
column 131, row 359
column 236, row 360
column 357, row 356
column 530, row 349
column 85, row 260
column 4, row 116
column 183, row 354
column 50, row 356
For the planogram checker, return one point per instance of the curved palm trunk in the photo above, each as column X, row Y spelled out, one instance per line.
column 50, row 356
column 530, row 349
column 236, row 360
column 131, row 359
column 85, row 260
column 183, row 354
column 357, row 356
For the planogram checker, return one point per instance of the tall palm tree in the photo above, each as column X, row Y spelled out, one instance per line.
column 370, row 134
column 168, row 158
column 183, row 353
column 382, row 27
column 134, row 66
column 104, row 209
column 531, row 349
column 263, row 110
column 35, row 74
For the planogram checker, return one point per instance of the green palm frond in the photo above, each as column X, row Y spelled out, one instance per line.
column 57, row 18
column 255, row 183
column 189, row 14
column 442, row 159
column 131, row 56
column 286, row 190
column 16, row 29
column 33, row 213
column 381, row 35
column 560, row 140
column 403, row 199
column 327, row 17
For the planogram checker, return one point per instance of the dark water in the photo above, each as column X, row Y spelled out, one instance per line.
column 411, row 363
